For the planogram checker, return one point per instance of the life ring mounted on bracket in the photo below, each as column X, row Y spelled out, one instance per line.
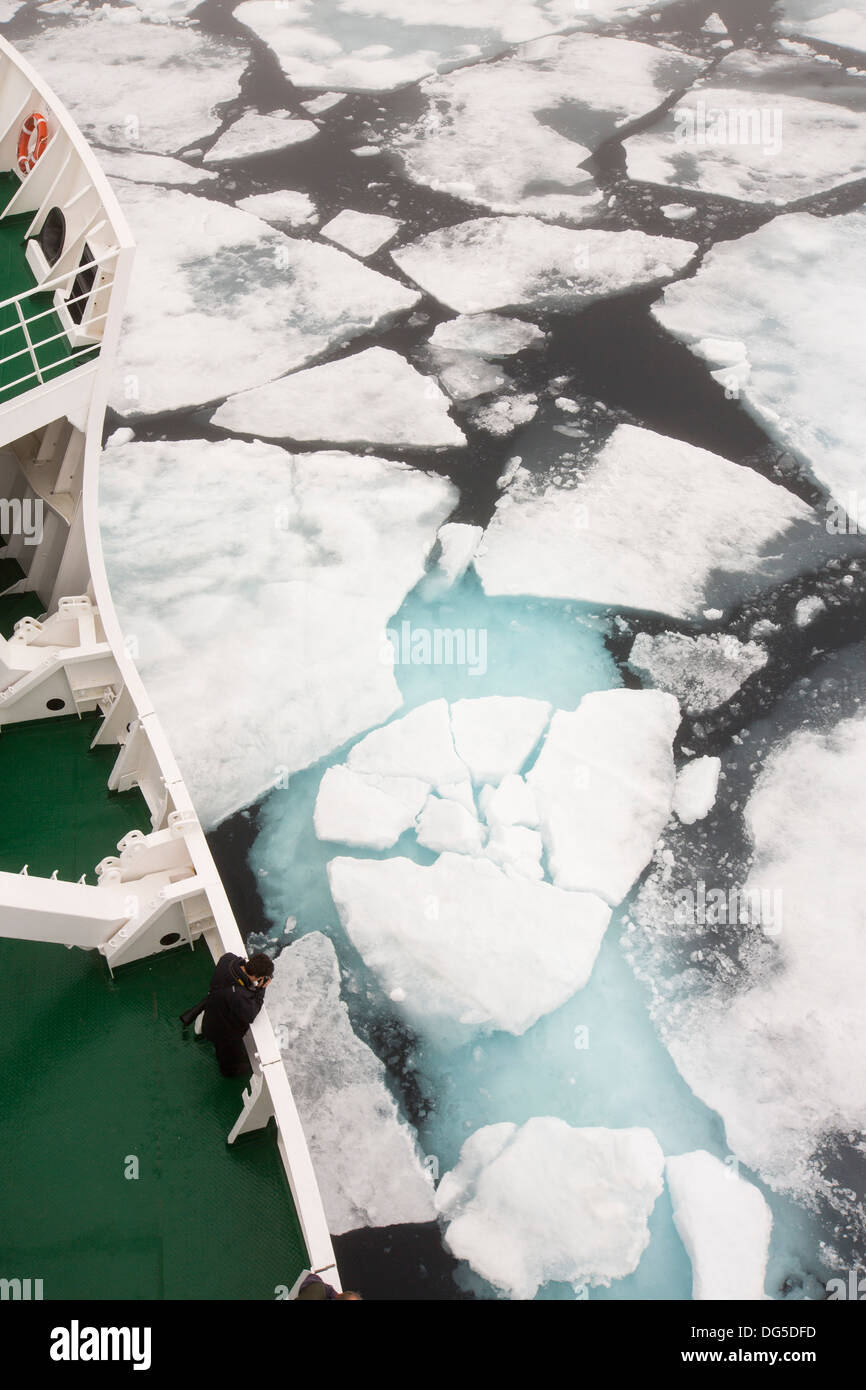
column 32, row 141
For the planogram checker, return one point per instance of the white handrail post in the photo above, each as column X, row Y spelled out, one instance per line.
column 29, row 342
column 257, row 1108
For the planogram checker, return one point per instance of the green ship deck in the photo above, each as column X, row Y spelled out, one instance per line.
column 98, row 1072
column 53, row 357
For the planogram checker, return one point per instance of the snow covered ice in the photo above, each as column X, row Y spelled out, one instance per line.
column 794, row 325
column 485, row 335
column 518, row 849
column 362, row 233
column 593, row 85
column 152, row 168
column 807, row 610
column 544, row 1201
column 696, row 787
column 166, row 9
column 467, row 945
column 503, row 417
column 828, row 21
column 703, row 672
column 321, row 548
column 140, row 105
column 512, row 802
column 377, row 45
column 724, row 1223
column 458, row 543
column 757, row 129
column 371, row 397
column 495, row 735
column 519, row 262
column 256, row 134
column 603, row 784
column 285, row 208
column 212, row 264
column 419, row 744
column 615, row 539
column 367, row 810
column 369, row 1169
column 326, row 102
column 445, row 825
column 798, row 1012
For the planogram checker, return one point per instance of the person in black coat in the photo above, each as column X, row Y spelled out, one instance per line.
column 236, row 995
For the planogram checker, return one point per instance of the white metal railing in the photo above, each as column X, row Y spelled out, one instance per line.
column 40, row 372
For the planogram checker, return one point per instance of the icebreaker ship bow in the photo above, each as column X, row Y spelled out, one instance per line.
column 65, row 261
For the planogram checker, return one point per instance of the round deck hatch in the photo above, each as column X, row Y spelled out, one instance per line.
column 53, row 235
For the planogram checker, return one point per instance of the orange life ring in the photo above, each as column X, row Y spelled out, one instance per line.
column 29, row 150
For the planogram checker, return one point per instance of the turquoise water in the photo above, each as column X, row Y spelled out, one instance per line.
column 595, row 1061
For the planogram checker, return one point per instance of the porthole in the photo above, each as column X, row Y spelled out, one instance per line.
column 170, row 938
column 55, row 704
column 53, row 235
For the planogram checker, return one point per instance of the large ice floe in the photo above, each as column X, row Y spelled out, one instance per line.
column 703, row 672
column 604, row 785
column 368, row 1166
column 238, row 302
column 377, row 45
column 516, row 262
column 653, row 523
column 724, row 1223
column 291, row 566
column 477, row 938
column 158, row 84
column 372, row 397
column 362, row 233
column 367, row 810
column 152, row 168
column 464, row 943
column 495, row 735
column 772, row 1053
column 543, row 1201
column 789, row 339
column 286, row 207
column 255, row 134
column 550, row 103
column 419, row 744
column 828, row 21
column 762, row 127
column 165, row 9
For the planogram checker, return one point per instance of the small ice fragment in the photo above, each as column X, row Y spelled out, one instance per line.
column 696, row 788
column 808, row 609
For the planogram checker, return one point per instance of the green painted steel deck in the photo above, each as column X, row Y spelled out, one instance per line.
column 15, row 606
column 57, row 812
column 53, row 357
column 97, row 1072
